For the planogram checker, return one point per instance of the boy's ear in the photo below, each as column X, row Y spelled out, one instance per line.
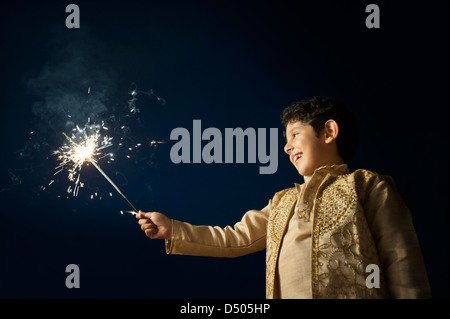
column 331, row 131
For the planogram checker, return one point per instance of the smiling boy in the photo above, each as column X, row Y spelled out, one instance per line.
column 322, row 235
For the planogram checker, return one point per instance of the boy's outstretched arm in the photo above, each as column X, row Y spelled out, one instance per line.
column 247, row 235
column 155, row 225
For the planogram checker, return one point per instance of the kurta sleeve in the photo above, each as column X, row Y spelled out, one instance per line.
column 400, row 255
column 247, row 236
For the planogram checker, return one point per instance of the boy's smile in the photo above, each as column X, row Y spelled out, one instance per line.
column 296, row 157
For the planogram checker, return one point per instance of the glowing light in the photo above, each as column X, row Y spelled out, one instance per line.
column 85, row 145
column 154, row 142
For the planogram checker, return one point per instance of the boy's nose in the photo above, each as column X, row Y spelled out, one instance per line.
column 288, row 149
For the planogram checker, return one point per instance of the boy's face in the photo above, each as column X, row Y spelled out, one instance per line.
column 306, row 151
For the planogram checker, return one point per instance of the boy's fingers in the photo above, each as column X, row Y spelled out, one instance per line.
column 150, row 234
column 144, row 215
column 145, row 221
column 140, row 215
column 148, row 226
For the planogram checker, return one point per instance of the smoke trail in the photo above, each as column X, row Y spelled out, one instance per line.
column 15, row 181
column 70, row 91
column 134, row 92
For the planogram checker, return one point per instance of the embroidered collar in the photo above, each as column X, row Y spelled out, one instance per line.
column 338, row 169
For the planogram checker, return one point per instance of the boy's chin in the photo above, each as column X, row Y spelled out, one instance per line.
column 304, row 172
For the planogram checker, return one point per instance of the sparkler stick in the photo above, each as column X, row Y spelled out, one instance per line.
column 112, row 183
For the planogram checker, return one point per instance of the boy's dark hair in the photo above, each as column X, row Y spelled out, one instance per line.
column 316, row 112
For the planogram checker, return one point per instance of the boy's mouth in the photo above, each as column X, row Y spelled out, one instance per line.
column 296, row 157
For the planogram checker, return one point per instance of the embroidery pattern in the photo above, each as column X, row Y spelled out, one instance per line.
column 336, row 202
column 276, row 226
column 340, row 251
column 277, row 220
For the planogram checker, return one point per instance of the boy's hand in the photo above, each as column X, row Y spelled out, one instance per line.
column 155, row 225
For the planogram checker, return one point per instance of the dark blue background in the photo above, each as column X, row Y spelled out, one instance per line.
column 230, row 64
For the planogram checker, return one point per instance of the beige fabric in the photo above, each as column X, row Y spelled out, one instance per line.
column 320, row 236
column 294, row 264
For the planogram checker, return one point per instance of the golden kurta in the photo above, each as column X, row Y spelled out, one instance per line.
column 320, row 238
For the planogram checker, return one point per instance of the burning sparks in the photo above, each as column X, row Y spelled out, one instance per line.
column 84, row 145
column 154, row 142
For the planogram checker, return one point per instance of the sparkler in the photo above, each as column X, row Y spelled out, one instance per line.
column 84, row 145
column 112, row 183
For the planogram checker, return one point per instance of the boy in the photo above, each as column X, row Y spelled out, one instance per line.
column 325, row 236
